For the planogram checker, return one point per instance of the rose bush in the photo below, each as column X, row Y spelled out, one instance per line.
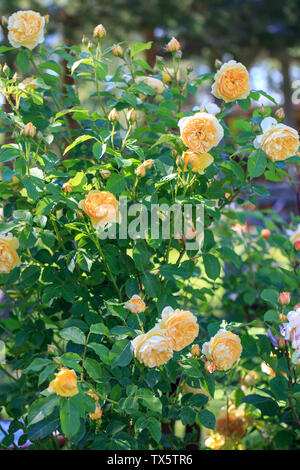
column 139, row 343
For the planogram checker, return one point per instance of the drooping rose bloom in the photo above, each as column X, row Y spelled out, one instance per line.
column 198, row 161
column 65, row 383
column 101, row 206
column 181, row 327
column 231, row 82
column 200, row 132
column 9, row 258
column 98, row 412
column 224, row 349
column 26, row 28
column 153, row 348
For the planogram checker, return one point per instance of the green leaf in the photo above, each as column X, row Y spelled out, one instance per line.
column 43, row 428
column 124, row 358
column 187, row 415
column 270, row 295
column 116, row 183
column 73, row 334
column 78, row 141
column 207, row 419
column 69, row 418
column 8, row 153
column 151, row 284
column 154, row 427
column 212, row 266
column 139, row 47
column 23, row 60
column 266, row 405
column 42, row 408
column 149, row 400
column 257, row 162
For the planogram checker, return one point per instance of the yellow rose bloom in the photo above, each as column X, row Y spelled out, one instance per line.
column 181, row 327
column 280, row 142
column 224, row 349
column 135, row 304
column 156, row 84
column 153, row 348
column 9, row 258
column 101, row 206
column 215, row 441
column 26, row 28
column 200, row 132
column 65, row 383
column 141, row 170
column 231, row 82
column 198, row 161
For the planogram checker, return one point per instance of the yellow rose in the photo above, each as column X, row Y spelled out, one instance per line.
column 181, row 327
column 9, row 258
column 141, row 170
column 250, row 379
column 65, row 383
column 200, row 132
column 153, row 348
column 98, row 412
column 231, row 82
column 280, row 142
column 101, row 206
column 198, row 161
column 154, row 83
column 215, row 441
column 224, row 349
column 173, row 45
column 26, row 28
column 135, row 304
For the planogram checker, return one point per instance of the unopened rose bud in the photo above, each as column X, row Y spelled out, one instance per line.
column 218, row 64
column 131, row 116
column 297, row 245
column 195, row 350
column 189, row 68
column 15, row 77
column 284, row 298
column 4, row 21
column 173, row 45
column 67, row 187
column 47, row 19
column 265, row 233
column 210, row 367
column 118, row 51
column 6, row 68
column 113, row 115
column 52, row 349
column 90, row 45
column 280, row 114
column 99, row 31
column 256, row 128
column 105, row 173
column 29, row 130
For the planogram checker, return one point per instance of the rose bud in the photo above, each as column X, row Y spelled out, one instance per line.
column 67, row 187
column 265, row 233
column 105, row 173
column 118, row 51
column 218, row 64
column 280, row 114
column 210, row 367
column 4, row 21
column 113, row 115
column 284, row 298
column 173, row 45
column 297, row 245
column 99, row 31
column 131, row 115
column 29, row 130
column 195, row 350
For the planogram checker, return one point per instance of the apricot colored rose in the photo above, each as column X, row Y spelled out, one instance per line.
column 135, row 304
column 153, row 348
column 9, row 258
column 65, row 383
column 26, row 28
column 198, row 161
column 101, row 206
column 224, row 349
column 181, row 327
column 231, row 82
column 200, row 132
column 278, row 141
